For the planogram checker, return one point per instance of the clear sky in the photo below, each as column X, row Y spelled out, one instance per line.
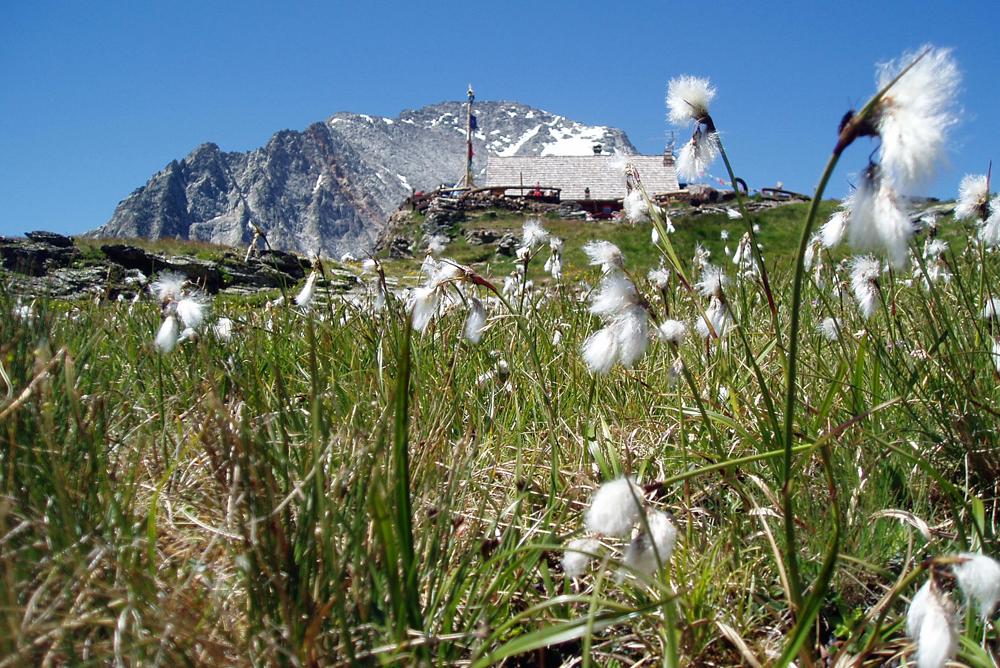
column 97, row 96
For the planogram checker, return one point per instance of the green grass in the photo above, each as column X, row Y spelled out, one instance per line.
column 274, row 500
column 778, row 235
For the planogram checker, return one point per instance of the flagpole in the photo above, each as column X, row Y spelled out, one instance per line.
column 468, row 139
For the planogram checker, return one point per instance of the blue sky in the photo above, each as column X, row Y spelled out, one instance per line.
column 96, row 97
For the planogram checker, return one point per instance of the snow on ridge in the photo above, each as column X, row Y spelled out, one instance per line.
column 406, row 184
column 388, row 121
column 576, row 140
column 516, row 146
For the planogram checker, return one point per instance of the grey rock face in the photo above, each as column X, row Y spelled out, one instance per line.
column 331, row 187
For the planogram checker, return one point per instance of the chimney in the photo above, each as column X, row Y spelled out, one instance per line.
column 597, row 149
column 668, row 156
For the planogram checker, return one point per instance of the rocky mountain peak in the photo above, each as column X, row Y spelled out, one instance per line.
column 332, row 186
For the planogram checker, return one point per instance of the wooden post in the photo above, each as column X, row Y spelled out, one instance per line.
column 468, row 139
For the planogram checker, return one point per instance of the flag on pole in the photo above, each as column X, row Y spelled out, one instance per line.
column 472, row 123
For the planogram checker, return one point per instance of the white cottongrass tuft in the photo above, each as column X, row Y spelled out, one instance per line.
column 423, row 305
column 168, row 287
column 189, row 334
column 935, row 248
column 166, row 338
column 979, row 578
column 878, row 221
column 636, row 208
column 688, row 99
column 660, row 278
column 697, row 154
column 672, row 331
column 733, row 213
column 712, row 281
column 369, row 266
column 930, row 622
column 865, row 271
column 304, row 299
column 996, row 354
column 615, row 295
column 991, row 310
column 719, row 315
column 223, row 329
column 651, row 550
column 475, row 323
column 626, row 335
column 832, row 232
column 829, row 329
column 973, row 195
column 918, row 610
column 553, row 265
column 533, row 234
column 605, row 254
column 632, row 332
column 615, row 508
column 989, row 233
column 600, row 350
column 915, row 114
column 579, row 552
column 192, row 310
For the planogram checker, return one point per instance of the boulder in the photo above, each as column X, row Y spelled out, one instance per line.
column 481, row 237
column 50, row 238
column 508, row 244
column 34, row 258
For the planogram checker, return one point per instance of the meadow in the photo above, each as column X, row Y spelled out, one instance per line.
column 367, row 481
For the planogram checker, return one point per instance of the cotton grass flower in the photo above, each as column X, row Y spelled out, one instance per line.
column 223, row 329
column 878, row 220
column 973, row 198
column 168, row 287
column 625, row 336
column 635, row 207
column 695, row 157
column 979, row 578
column 614, row 509
column 915, row 113
column 829, row 329
column 659, row 278
column 305, row 297
column 832, row 232
column 533, row 234
column 720, row 317
column 192, row 310
column 650, row 550
column 604, row 254
column 424, row 302
column 712, row 281
column 672, row 331
column 930, row 622
column 578, row 555
column 475, row 322
column 865, row 272
column 989, row 232
column 688, row 99
column 991, row 309
column 166, row 337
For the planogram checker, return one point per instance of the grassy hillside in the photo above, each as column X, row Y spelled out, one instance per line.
column 779, row 229
column 327, row 486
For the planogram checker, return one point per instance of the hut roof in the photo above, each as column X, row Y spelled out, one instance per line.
column 603, row 174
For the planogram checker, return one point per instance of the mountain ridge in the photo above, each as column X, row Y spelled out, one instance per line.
column 331, row 187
